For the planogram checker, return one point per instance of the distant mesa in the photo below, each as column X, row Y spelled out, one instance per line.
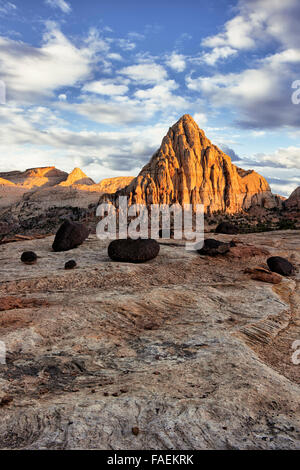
column 5, row 182
column 189, row 169
column 35, row 177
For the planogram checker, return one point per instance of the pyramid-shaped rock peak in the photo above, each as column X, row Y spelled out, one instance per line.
column 189, row 169
column 77, row 176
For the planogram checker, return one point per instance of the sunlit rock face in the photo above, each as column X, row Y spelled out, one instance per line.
column 189, row 169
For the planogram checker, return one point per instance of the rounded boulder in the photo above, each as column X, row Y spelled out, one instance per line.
column 214, row 247
column 69, row 236
column 29, row 257
column 133, row 251
column 280, row 265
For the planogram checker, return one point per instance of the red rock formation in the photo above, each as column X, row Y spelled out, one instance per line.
column 188, row 168
column 293, row 202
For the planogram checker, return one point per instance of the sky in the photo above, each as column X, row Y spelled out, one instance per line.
column 96, row 84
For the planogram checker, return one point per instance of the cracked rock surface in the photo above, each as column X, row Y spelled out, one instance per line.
column 186, row 348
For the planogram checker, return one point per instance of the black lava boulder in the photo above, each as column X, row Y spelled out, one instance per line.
column 214, row 247
column 133, row 251
column 226, row 227
column 69, row 236
column 280, row 266
column 29, row 257
column 70, row 264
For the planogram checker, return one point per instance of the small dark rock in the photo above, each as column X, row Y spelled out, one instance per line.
column 135, row 431
column 29, row 257
column 214, row 247
column 69, row 236
column 227, row 228
column 6, row 400
column 70, row 264
column 280, row 266
column 133, row 251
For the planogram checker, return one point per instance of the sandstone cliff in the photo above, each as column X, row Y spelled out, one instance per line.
column 188, row 168
column 293, row 202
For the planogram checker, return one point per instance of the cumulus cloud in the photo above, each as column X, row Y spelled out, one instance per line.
column 259, row 21
column 200, row 119
column 211, row 58
column 146, row 73
column 176, row 62
column 57, row 63
column 283, row 158
column 61, row 4
column 105, row 87
column 262, row 95
column 101, row 154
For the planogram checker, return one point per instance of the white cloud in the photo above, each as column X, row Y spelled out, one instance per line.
column 57, row 63
column 100, row 154
column 176, row 62
column 105, row 87
column 218, row 53
column 145, row 73
column 7, row 8
column 126, row 44
column 61, row 4
column 284, row 158
column 200, row 119
column 261, row 95
column 257, row 22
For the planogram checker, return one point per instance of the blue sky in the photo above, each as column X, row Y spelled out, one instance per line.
column 97, row 84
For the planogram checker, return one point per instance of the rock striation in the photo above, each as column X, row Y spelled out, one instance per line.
column 189, row 169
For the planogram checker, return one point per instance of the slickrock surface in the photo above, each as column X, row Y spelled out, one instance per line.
column 189, row 169
column 188, row 349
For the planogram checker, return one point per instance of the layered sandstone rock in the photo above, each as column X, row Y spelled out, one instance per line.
column 293, row 202
column 111, row 185
column 189, row 169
